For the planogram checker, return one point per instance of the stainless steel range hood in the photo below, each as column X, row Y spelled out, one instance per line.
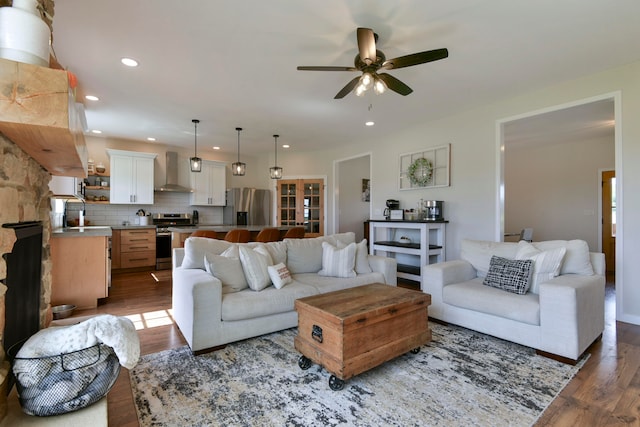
column 171, row 183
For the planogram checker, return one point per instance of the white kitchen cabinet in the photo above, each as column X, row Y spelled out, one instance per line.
column 209, row 185
column 414, row 244
column 131, row 177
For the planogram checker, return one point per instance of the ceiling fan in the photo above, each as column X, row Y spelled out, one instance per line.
column 369, row 60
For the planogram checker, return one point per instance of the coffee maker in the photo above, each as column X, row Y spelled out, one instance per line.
column 392, row 204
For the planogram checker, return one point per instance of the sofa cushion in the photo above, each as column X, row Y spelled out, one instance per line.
column 510, row 275
column 473, row 295
column 479, row 252
column 279, row 275
column 228, row 270
column 248, row 304
column 577, row 259
column 546, row 264
column 305, row 255
column 255, row 266
column 196, row 247
column 324, row 284
column 338, row 262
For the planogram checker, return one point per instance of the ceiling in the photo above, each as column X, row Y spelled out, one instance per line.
column 233, row 64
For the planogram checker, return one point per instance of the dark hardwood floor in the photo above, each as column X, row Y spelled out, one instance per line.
column 606, row 391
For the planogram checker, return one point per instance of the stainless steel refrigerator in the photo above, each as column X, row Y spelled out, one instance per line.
column 247, row 206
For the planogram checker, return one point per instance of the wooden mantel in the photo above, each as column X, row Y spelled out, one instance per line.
column 38, row 113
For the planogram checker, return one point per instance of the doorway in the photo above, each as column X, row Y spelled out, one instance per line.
column 301, row 203
column 352, row 195
column 614, row 98
column 608, row 203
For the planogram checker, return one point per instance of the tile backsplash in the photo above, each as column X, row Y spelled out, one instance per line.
column 107, row 214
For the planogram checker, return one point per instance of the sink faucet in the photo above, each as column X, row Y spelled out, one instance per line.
column 80, row 215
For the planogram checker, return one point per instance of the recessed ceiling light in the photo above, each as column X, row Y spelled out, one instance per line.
column 151, row 139
column 285, row 146
column 96, row 131
column 129, row 62
column 92, row 98
column 215, row 147
column 369, row 123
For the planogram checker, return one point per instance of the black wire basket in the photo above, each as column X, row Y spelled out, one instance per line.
column 67, row 382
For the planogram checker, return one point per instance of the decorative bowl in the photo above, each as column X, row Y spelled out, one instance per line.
column 62, row 311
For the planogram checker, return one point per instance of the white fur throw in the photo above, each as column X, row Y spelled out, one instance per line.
column 115, row 331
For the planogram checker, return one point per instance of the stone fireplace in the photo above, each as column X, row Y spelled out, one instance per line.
column 24, row 196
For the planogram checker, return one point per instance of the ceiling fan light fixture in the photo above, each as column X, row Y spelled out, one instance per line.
column 366, row 80
column 379, row 87
column 238, row 168
column 360, row 90
column 195, row 161
column 275, row 172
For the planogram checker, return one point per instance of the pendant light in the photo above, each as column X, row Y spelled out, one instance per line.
column 276, row 172
column 238, row 168
column 195, row 161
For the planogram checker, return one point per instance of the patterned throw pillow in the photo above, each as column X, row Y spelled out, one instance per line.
column 512, row 275
column 280, row 275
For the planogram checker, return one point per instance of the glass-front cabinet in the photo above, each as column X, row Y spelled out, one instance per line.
column 301, row 203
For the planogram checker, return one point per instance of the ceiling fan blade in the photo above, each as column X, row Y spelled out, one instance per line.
column 348, row 88
column 367, row 45
column 395, row 84
column 327, row 68
column 415, row 59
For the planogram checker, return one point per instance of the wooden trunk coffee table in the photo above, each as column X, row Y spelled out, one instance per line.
column 353, row 330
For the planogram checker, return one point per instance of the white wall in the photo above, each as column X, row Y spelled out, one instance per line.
column 553, row 188
column 471, row 202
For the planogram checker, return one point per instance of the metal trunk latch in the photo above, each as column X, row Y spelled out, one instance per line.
column 316, row 333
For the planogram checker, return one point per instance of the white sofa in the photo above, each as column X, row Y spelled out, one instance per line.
column 560, row 315
column 211, row 313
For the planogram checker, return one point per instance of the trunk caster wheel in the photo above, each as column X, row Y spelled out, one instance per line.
column 335, row 383
column 415, row 350
column 304, row 363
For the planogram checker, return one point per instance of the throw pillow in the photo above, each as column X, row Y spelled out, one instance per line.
column 362, row 256
column 512, row 275
column 546, row 264
column 196, row 247
column 254, row 265
column 304, row 255
column 279, row 275
column 228, row 270
column 577, row 259
column 338, row 262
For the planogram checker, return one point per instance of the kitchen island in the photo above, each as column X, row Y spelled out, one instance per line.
column 80, row 265
column 180, row 234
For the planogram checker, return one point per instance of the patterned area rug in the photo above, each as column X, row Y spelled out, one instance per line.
column 461, row 378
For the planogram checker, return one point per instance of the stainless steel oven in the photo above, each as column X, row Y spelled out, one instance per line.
column 162, row 222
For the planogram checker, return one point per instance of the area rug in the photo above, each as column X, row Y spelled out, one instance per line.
column 461, row 378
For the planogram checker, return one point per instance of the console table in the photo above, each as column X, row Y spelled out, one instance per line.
column 427, row 244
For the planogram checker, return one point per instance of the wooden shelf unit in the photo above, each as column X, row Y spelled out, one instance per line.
column 384, row 238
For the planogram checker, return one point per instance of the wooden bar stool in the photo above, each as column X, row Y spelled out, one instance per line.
column 205, row 233
column 238, row 235
column 294, row 233
column 268, row 234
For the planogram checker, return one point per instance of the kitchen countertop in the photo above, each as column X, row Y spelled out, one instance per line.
column 88, row 231
column 223, row 228
column 131, row 227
